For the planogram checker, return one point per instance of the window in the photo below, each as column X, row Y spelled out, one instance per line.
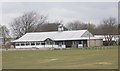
column 27, row 43
column 43, row 43
column 32, row 43
column 59, row 43
column 37, row 43
column 56, row 43
column 22, row 44
column 17, row 44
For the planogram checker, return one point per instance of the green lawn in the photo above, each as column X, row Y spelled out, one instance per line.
column 0, row 58
column 106, row 58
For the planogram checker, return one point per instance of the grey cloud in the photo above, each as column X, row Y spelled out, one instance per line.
column 66, row 11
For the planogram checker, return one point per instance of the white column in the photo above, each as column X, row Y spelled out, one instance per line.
column 30, row 43
column 19, row 44
column 40, row 43
column 35, row 43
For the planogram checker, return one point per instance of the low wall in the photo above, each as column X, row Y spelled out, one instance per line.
column 41, row 46
column 95, row 42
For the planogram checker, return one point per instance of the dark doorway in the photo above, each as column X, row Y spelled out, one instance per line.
column 85, row 43
column 68, row 44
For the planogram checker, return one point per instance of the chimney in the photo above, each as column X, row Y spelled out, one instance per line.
column 60, row 27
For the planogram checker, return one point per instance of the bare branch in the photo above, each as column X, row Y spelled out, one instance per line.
column 28, row 22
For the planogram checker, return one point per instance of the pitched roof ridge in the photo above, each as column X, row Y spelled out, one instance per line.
column 57, row 31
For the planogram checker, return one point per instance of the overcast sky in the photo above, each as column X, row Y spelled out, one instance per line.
column 92, row 12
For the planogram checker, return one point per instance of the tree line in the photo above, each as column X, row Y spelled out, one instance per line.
column 107, row 26
column 35, row 22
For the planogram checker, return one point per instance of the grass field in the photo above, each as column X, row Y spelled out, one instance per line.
column 106, row 58
column 0, row 58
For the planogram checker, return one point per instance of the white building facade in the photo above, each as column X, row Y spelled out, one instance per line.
column 58, row 39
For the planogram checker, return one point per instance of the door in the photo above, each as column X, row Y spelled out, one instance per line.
column 68, row 44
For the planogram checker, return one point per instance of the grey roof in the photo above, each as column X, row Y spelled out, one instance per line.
column 55, row 35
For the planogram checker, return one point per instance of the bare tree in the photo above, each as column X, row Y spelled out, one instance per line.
column 108, row 28
column 4, row 32
column 28, row 22
column 4, row 36
column 77, row 25
column 48, row 27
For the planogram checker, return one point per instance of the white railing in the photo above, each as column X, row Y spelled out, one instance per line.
column 41, row 46
column 80, row 45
